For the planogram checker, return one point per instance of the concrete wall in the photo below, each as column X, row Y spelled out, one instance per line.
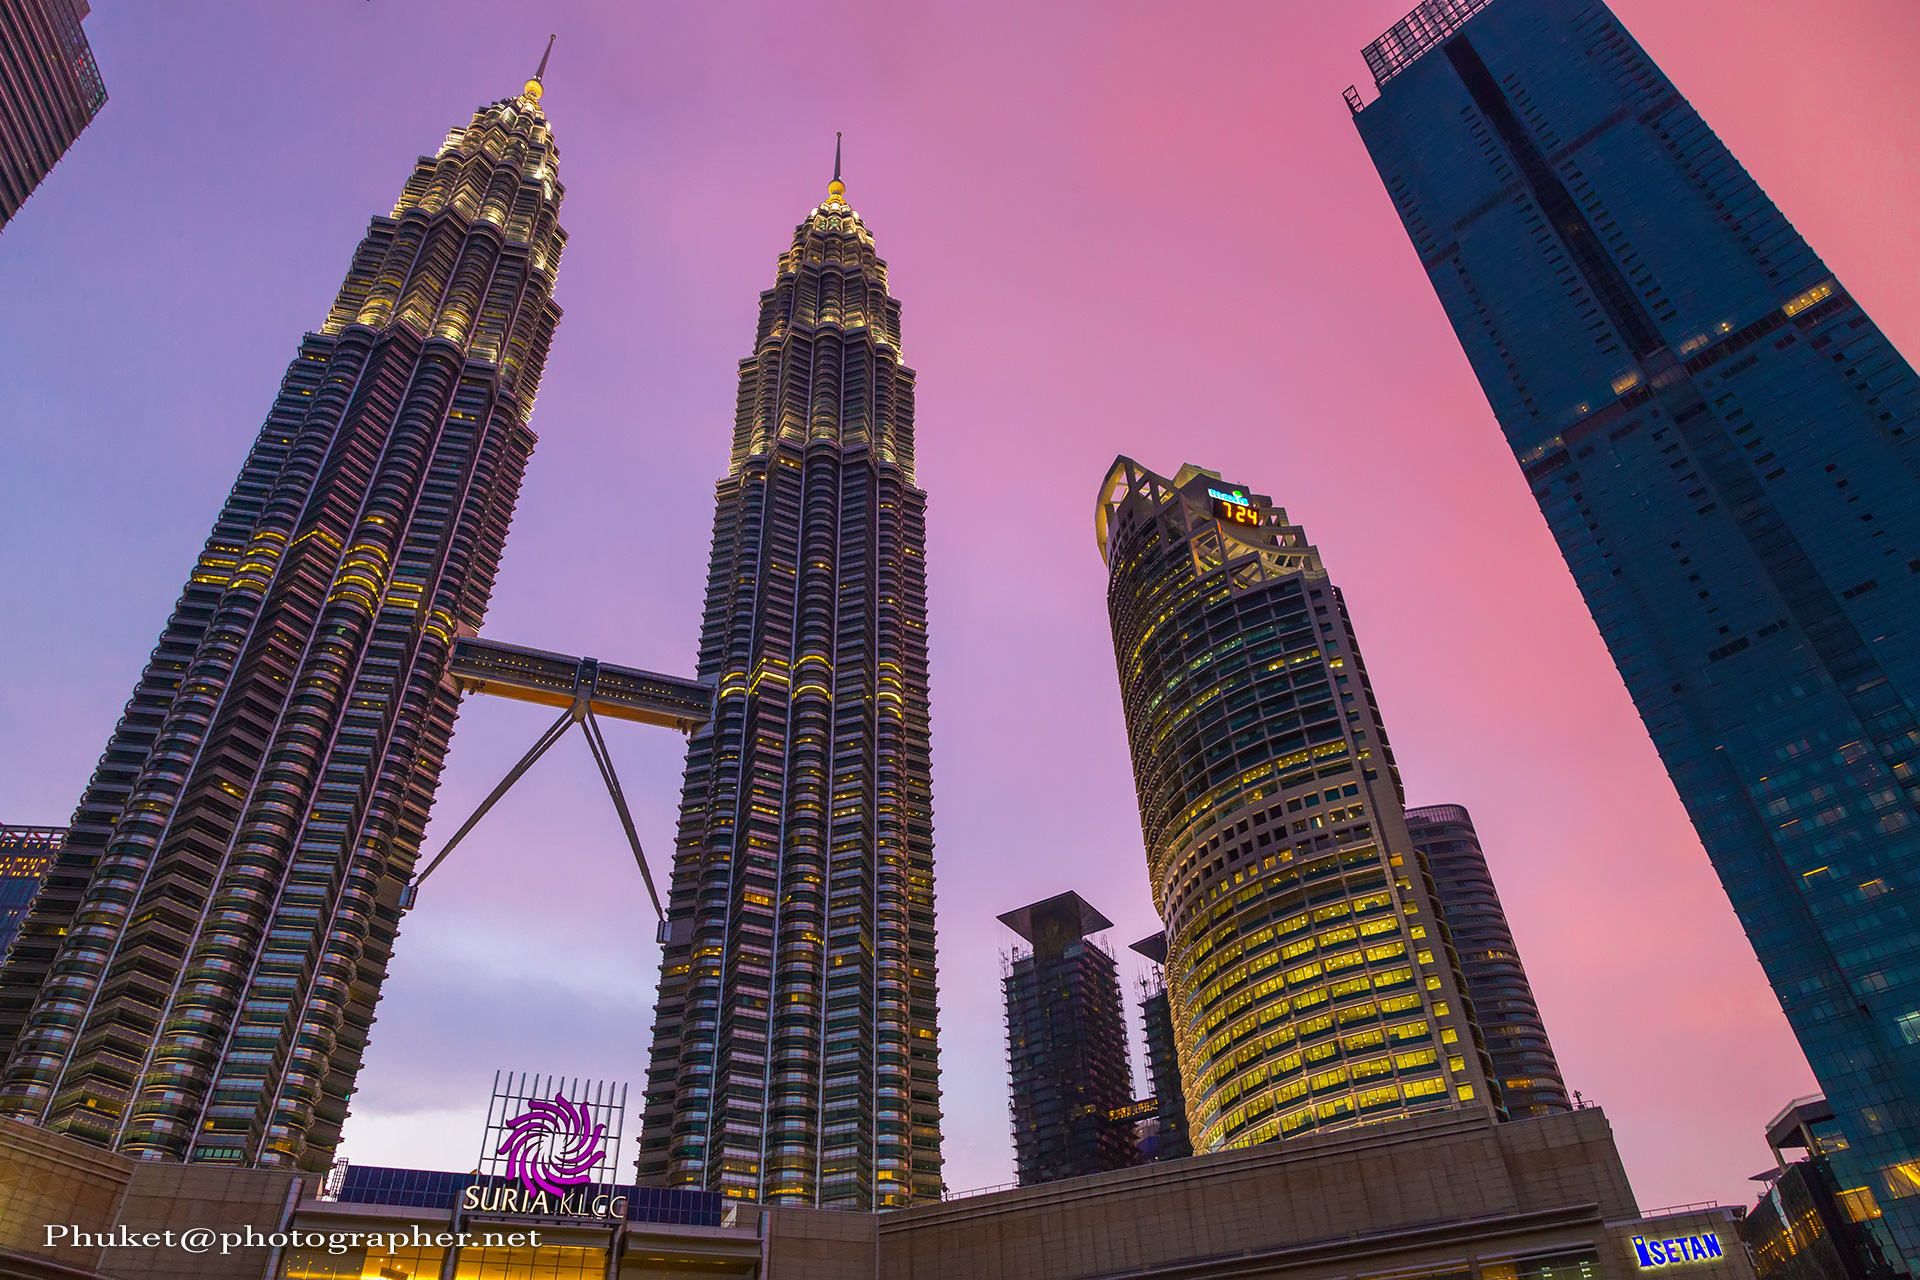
column 47, row 1179
column 223, row 1199
column 820, row 1244
column 1275, row 1198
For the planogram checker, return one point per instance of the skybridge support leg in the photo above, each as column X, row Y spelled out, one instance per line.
column 411, row 893
column 604, row 758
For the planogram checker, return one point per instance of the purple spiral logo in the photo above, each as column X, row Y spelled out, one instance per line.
column 553, row 1145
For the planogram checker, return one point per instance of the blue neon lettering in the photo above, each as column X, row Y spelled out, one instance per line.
column 1235, row 496
column 1664, row 1253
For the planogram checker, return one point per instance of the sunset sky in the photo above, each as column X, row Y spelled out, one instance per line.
column 1116, row 227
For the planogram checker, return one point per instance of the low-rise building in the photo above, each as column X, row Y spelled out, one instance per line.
column 1452, row 1195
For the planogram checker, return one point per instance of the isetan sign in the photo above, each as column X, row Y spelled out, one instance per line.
column 1654, row 1254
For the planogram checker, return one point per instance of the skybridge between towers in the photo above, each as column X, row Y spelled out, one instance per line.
column 555, row 680
column 585, row 689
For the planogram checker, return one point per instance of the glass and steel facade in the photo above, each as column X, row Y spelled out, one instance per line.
column 1497, row 986
column 1722, row 443
column 50, row 90
column 26, row 854
column 197, row 979
column 1311, row 982
column 638, row 1231
column 1066, row 1045
column 795, row 1056
column 1806, row 1226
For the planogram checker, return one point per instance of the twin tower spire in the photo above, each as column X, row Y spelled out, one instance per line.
column 536, row 88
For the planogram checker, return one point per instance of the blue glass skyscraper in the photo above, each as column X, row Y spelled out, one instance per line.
column 1722, row 443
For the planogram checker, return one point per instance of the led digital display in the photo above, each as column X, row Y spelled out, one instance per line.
column 1234, row 512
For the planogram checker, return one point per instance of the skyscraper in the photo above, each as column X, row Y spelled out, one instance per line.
column 1503, row 1003
column 1722, row 443
column 25, row 855
column 1169, row 1141
column 197, row 978
column 1311, row 982
column 795, row 1058
column 1066, row 1045
column 50, row 90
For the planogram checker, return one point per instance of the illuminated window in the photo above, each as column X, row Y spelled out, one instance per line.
column 1859, row 1204
column 1794, row 307
column 1335, row 1108
column 354, row 1264
column 1903, row 1179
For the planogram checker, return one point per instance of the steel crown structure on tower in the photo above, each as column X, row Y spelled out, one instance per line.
column 795, row 1054
column 211, row 942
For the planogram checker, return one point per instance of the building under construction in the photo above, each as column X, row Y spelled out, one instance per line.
column 1066, row 1046
column 1169, row 1139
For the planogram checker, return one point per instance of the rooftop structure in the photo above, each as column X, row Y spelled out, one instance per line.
column 1807, row 1225
column 1425, row 27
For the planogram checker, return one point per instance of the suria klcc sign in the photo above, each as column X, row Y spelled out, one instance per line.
column 553, row 1145
column 550, row 1148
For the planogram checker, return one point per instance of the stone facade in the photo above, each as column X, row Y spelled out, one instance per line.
column 47, row 1179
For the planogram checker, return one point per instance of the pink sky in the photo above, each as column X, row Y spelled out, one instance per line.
column 1116, row 227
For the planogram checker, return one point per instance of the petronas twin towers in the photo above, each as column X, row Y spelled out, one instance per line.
column 794, row 1051
column 197, row 979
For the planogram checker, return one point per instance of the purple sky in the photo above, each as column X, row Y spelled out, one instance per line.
column 1116, row 227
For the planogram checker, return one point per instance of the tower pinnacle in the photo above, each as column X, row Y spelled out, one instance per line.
column 836, row 190
column 537, row 85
